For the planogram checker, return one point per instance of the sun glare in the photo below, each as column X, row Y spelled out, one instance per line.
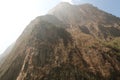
column 15, row 15
column 70, row 1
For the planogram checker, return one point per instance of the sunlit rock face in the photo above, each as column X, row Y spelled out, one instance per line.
column 87, row 17
column 71, row 42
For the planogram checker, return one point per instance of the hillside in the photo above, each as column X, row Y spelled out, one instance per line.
column 71, row 42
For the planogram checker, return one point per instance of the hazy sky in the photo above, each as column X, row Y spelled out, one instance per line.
column 16, row 14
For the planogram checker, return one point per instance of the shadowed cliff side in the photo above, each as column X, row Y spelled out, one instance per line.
column 72, row 42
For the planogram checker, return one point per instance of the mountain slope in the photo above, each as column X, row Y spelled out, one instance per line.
column 89, row 19
column 3, row 56
column 72, row 42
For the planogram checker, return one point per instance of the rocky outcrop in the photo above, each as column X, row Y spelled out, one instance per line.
column 72, row 42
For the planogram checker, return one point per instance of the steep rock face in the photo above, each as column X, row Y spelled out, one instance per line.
column 82, row 14
column 80, row 59
column 89, row 19
column 71, row 43
column 16, row 56
column 3, row 56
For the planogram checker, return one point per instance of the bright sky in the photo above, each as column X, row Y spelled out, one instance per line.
column 15, row 15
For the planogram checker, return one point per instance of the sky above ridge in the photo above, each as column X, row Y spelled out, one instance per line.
column 15, row 15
